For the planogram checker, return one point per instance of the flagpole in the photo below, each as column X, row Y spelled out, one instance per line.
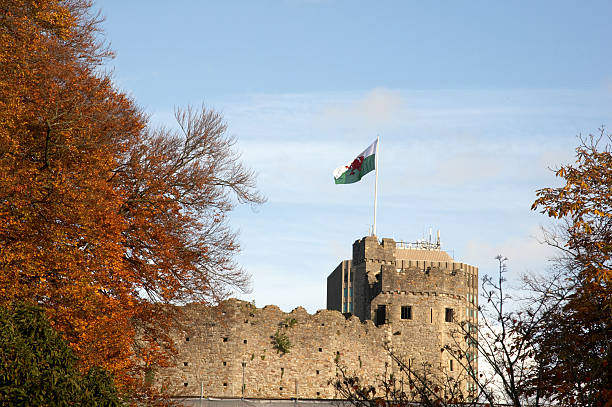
column 376, row 185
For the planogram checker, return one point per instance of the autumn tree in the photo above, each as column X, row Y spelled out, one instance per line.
column 585, row 204
column 63, row 129
column 177, row 189
column 575, row 345
column 103, row 219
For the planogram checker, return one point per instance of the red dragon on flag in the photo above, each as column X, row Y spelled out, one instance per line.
column 355, row 165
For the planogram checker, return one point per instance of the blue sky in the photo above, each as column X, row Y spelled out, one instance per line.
column 473, row 102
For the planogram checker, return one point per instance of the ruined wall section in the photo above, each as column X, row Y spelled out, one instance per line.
column 218, row 341
column 228, row 351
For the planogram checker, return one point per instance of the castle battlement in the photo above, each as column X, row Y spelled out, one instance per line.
column 219, row 344
column 388, row 295
column 386, row 266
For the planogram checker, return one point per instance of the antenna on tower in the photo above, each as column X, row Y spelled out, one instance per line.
column 429, row 235
column 438, row 241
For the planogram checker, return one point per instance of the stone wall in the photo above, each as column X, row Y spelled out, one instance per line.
column 229, row 350
column 217, row 341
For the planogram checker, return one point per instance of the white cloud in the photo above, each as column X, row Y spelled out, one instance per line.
column 378, row 108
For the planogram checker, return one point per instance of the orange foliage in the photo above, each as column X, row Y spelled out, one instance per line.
column 586, row 202
column 101, row 219
column 62, row 129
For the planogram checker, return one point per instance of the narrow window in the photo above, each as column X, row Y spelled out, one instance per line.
column 431, row 315
column 350, row 307
column 406, row 312
column 224, row 384
column 381, row 315
column 185, row 384
column 320, row 349
column 317, row 372
column 245, row 341
column 225, row 339
column 185, row 363
column 186, row 339
column 451, row 365
column 448, row 315
column 224, row 363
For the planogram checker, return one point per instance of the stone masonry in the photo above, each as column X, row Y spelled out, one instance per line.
column 388, row 294
column 220, row 340
column 417, row 289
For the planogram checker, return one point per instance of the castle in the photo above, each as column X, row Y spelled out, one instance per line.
column 405, row 297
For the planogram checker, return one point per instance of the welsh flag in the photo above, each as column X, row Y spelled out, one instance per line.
column 360, row 166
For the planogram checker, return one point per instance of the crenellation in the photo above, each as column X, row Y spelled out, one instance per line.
column 318, row 340
column 384, row 296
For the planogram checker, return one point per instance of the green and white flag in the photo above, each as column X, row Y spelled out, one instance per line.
column 360, row 166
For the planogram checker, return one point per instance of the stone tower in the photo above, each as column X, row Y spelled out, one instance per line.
column 415, row 288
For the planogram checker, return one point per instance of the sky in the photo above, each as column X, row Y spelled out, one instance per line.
column 475, row 103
